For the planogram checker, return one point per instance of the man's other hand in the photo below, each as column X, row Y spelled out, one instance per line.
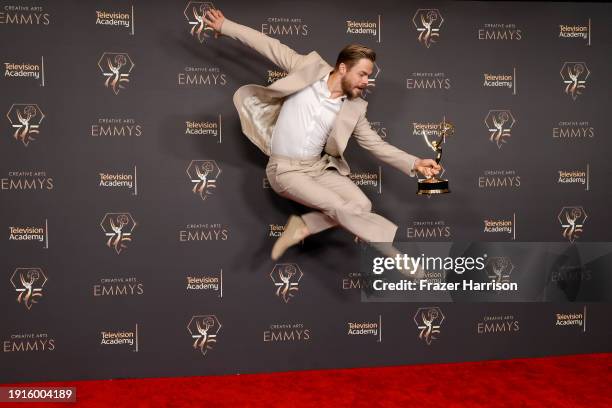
column 214, row 19
column 427, row 167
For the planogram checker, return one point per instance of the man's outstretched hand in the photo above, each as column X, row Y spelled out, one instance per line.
column 214, row 19
column 427, row 167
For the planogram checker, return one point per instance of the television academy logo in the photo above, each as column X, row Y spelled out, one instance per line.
column 203, row 175
column 428, row 23
column 120, row 338
column 499, row 268
column 365, row 27
column 25, row 71
column 119, row 180
column 428, row 321
column 31, row 233
column 25, row 118
column 29, row 283
column 118, row 227
column 576, row 319
column 116, row 19
column 204, row 330
column 194, row 13
column 579, row 176
column 366, row 329
column 274, row 75
column 573, row 31
column 572, row 220
column 574, row 75
column 499, row 123
column 116, row 67
column 205, row 283
column 372, row 179
column 286, row 278
column 501, row 225
column 209, row 127
column 509, row 81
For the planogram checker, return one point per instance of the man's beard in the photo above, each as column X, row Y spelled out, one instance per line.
column 348, row 89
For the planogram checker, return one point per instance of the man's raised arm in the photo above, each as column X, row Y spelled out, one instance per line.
column 271, row 48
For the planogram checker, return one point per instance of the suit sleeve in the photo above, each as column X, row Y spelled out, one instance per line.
column 371, row 141
column 271, row 48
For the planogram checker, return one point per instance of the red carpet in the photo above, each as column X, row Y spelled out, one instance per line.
column 569, row 381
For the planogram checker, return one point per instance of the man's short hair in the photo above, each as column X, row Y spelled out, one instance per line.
column 352, row 53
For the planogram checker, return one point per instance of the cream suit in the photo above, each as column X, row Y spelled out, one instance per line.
column 322, row 184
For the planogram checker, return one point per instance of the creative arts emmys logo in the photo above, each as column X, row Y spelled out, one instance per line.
column 574, row 75
column 428, row 23
column 203, row 175
column 286, row 278
column 204, row 330
column 21, row 14
column 25, row 119
column 28, row 282
column 428, row 321
column 499, row 268
column 118, row 228
column 194, row 13
column 116, row 67
column 499, row 123
column 572, row 220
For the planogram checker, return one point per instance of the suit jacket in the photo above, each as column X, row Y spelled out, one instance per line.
column 258, row 106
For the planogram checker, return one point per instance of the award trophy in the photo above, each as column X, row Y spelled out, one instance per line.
column 433, row 184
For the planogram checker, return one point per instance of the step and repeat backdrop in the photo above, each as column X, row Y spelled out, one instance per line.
column 137, row 221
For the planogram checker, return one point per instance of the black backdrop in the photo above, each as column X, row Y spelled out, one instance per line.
column 77, row 157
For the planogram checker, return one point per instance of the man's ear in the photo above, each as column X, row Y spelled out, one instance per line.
column 342, row 68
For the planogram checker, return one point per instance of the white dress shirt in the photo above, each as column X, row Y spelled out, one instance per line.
column 304, row 122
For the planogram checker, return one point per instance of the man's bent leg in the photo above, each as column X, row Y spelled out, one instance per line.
column 350, row 212
column 346, row 189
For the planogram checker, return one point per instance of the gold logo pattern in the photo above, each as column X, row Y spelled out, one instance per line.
column 28, row 282
column 204, row 330
column 118, row 228
column 25, row 119
column 428, row 321
column 286, row 278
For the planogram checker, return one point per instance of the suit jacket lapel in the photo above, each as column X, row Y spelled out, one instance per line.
column 343, row 127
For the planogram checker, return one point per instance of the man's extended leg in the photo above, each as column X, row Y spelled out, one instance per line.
column 318, row 221
column 321, row 191
column 298, row 228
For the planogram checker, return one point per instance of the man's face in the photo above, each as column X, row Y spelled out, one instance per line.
column 355, row 80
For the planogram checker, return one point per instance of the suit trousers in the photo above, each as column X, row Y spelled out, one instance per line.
column 336, row 199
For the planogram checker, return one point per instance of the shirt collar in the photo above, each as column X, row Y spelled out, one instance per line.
column 324, row 89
